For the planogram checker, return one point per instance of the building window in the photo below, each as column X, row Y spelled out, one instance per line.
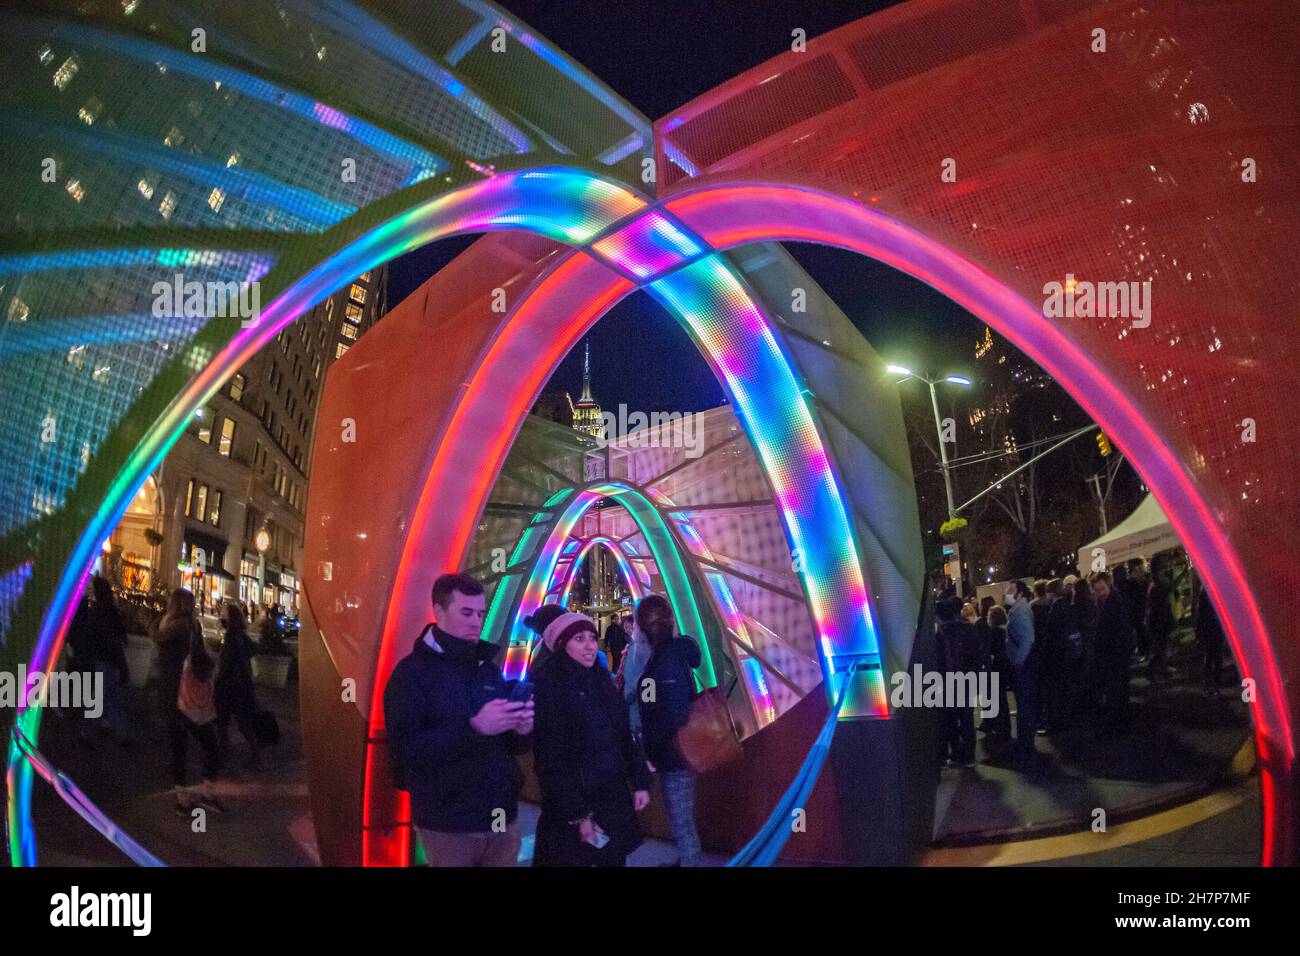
column 340, row 350
column 237, row 385
column 349, row 331
column 214, row 514
column 357, row 293
column 201, row 502
column 353, row 313
column 364, row 277
column 227, row 437
column 189, row 497
column 329, row 310
column 316, row 368
column 205, row 426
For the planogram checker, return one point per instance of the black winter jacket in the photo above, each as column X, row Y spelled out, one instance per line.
column 233, row 691
column 672, row 687
column 457, row 777
column 587, row 764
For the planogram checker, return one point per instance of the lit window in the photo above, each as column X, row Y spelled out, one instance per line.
column 216, row 198
column 237, row 386
column 341, row 350
column 167, row 205
column 214, row 516
column 205, row 426
column 64, row 74
column 201, row 502
column 146, row 188
column 189, row 497
column 174, row 137
column 90, row 112
column 353, row 313
column 364, row 277
column 75, row 189
column 357, row 292
column 349, row 331
column 227, row 437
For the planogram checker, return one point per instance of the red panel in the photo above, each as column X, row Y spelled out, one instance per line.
column 1117, row 166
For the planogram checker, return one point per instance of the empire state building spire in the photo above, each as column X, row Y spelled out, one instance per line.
column 586, row 373
column 586, row 413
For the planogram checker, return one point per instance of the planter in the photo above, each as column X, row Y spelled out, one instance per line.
column 271, row 671
column 140, row 651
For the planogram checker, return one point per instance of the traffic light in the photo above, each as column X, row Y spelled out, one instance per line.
column 1103, row 444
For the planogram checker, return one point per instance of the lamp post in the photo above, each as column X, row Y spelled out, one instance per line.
column 908, row 374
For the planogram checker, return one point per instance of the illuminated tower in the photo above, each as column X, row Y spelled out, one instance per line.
column 586, row 413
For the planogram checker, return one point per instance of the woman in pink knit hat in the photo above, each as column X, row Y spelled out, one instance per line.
column 593, row 776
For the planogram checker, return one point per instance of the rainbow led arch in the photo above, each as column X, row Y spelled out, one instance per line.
column 543, row 579
column 624, row 568
column 575, row 207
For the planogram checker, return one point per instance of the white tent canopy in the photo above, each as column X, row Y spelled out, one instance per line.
column 1143, row 533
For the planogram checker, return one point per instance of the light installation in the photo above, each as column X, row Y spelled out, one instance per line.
column 663, row 549
column 849, row 145
column 569, row 206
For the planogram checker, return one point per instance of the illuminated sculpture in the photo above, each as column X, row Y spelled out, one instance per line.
column 1165, row 155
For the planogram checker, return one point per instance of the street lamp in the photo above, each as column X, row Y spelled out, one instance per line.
column 907, row 374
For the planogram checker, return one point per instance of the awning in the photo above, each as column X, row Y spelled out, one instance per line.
column 1142, row 534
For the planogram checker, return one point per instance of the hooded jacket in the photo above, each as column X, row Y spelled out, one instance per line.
column 665, row 701
column 457, row 777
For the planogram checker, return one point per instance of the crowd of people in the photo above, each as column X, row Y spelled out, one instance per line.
column 197, row 696
column 600, row 724
column 1064, row 647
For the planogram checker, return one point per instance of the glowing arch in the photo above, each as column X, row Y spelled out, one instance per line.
column 705, row 291
column 721, row 216
column 624, row 567
column 1206, row 516
column 664, row 549
column 735, row 214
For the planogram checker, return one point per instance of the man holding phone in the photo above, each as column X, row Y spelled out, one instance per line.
column 454, row 728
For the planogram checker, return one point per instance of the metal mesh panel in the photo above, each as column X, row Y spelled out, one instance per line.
column 1117, row 166
column 258, row 135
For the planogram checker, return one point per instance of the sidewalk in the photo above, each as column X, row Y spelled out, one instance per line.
column 1182, row 745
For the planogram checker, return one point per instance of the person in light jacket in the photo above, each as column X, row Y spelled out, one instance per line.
column 1024, row 670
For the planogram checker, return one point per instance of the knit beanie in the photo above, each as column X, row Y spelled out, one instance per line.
column 564, row 627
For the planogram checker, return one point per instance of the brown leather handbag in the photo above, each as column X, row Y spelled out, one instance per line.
column 708, row 740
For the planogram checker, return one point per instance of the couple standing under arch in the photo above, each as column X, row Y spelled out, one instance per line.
column 457, row 729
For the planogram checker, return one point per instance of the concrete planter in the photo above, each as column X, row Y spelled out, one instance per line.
column 140, row 653
column 271, row 671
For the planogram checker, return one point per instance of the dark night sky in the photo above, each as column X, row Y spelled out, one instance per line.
column 658, row 56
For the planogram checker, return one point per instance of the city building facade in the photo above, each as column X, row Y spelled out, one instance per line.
column 223, row 514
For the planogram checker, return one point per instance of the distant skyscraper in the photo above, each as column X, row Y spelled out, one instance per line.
column 586, row 413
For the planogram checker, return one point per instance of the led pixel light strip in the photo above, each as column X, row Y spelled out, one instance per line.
column 574, row 207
